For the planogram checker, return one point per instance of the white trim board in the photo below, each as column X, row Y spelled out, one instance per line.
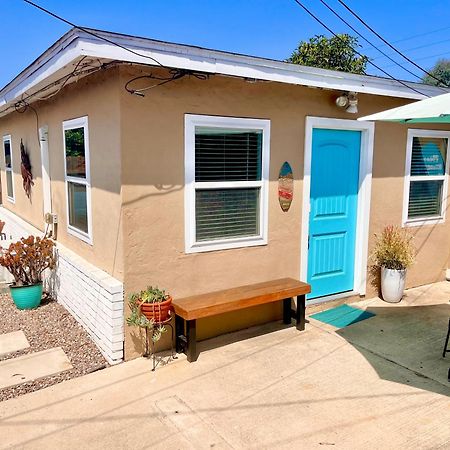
column 364, row 193
column 60, row 58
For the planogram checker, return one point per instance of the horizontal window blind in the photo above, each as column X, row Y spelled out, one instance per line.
column 226, row 213
column 227, row 155
column 425, row 199
column 428, row 156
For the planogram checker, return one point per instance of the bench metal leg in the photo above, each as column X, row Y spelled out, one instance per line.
column 287, row 312
column 180, row 339
column 301, row 312
column 191, row 335
column 446, row 341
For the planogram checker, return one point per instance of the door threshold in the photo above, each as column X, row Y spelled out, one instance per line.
column 329, row 298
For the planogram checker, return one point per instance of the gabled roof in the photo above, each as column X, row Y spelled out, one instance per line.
column 60, row 58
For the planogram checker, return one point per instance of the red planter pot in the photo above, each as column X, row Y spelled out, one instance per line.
column 159, row 312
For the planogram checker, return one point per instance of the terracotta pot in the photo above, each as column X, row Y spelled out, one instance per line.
column 159, row 312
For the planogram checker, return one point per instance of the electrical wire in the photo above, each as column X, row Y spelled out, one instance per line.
column 310, row 13
column 176, row 74
column 68, row 77
column 426, row 57
column 367, row 40
column 86, row 30
column 389, row 44
column 418, row 48
column 427, row 33
column 21, row 107
column 56, row 83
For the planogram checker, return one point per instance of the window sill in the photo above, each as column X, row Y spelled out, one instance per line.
column 80, row 235
column 11, row 200
column 424, row 222
column 228, row 244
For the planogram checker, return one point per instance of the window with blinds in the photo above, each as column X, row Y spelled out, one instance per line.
column 228, row 181
column 427, row 175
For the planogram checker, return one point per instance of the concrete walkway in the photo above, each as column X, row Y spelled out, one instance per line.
column 283, row 389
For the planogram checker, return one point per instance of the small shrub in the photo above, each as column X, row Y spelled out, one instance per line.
column 27, row 259
column 393, row 249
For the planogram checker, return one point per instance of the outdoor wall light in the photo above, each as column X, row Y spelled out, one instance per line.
column 349, row 101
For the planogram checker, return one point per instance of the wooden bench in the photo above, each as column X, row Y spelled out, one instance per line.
column 189, row 309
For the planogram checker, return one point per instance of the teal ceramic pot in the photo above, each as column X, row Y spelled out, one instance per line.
column 26, row 297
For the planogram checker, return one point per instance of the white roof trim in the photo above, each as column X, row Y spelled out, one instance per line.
column 76, row 44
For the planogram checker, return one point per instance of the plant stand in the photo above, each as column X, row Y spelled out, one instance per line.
column 156, row 325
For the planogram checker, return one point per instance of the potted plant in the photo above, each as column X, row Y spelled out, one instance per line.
column 150, row 307
column 394, row 252
column 26, row 260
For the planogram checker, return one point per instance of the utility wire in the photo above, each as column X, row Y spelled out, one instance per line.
column 358, row 53
column 367, row 40
column 419, row 47
column 91, row 33
column 425, row 57
column 427, row 33
column 388, row 43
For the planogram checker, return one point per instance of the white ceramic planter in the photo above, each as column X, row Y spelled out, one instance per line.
column 392, row 284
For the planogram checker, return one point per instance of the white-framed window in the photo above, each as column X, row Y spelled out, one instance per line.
column 7, row 153
column 226, row 177
column 77, row 176
column 426, row 177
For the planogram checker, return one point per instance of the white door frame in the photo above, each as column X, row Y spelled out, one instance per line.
column 364, row 193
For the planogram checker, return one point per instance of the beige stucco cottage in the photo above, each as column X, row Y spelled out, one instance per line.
column 177, row 185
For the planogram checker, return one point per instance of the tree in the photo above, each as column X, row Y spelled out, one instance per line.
column 441, row 70
column 336, row 53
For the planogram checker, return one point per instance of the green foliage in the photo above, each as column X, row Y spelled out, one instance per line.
column 150, row 295
column 74, row 142
column 441, row 70
column 336, row 53
column 393, row 249
column 137, row 319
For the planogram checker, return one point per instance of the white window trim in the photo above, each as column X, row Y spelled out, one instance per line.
column 414, row 132
column 8, row 138
column 192, row 121
column 81, row 122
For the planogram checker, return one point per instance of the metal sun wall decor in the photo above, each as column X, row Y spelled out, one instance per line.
column 25, row 169
column 285, row 186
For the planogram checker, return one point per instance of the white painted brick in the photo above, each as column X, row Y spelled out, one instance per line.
column 91, row 295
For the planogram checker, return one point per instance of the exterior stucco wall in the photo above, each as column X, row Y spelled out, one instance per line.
column 97, row 97
column 153, row 195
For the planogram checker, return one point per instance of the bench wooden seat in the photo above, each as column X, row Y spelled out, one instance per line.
column 189, row 309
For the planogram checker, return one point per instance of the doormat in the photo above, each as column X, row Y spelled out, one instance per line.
column 342, row 316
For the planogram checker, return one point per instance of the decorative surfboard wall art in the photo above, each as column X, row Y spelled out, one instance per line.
column 285, row 186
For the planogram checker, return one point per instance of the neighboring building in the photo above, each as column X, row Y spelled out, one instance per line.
column 179, row 188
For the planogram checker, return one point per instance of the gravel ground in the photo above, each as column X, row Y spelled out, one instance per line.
column 48, row 326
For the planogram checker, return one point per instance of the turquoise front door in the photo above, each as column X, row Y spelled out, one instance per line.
column 333, row 211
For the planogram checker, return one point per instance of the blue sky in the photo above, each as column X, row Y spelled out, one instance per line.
column 270, row 28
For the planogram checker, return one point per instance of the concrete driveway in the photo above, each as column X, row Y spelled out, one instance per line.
column 380, row 383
